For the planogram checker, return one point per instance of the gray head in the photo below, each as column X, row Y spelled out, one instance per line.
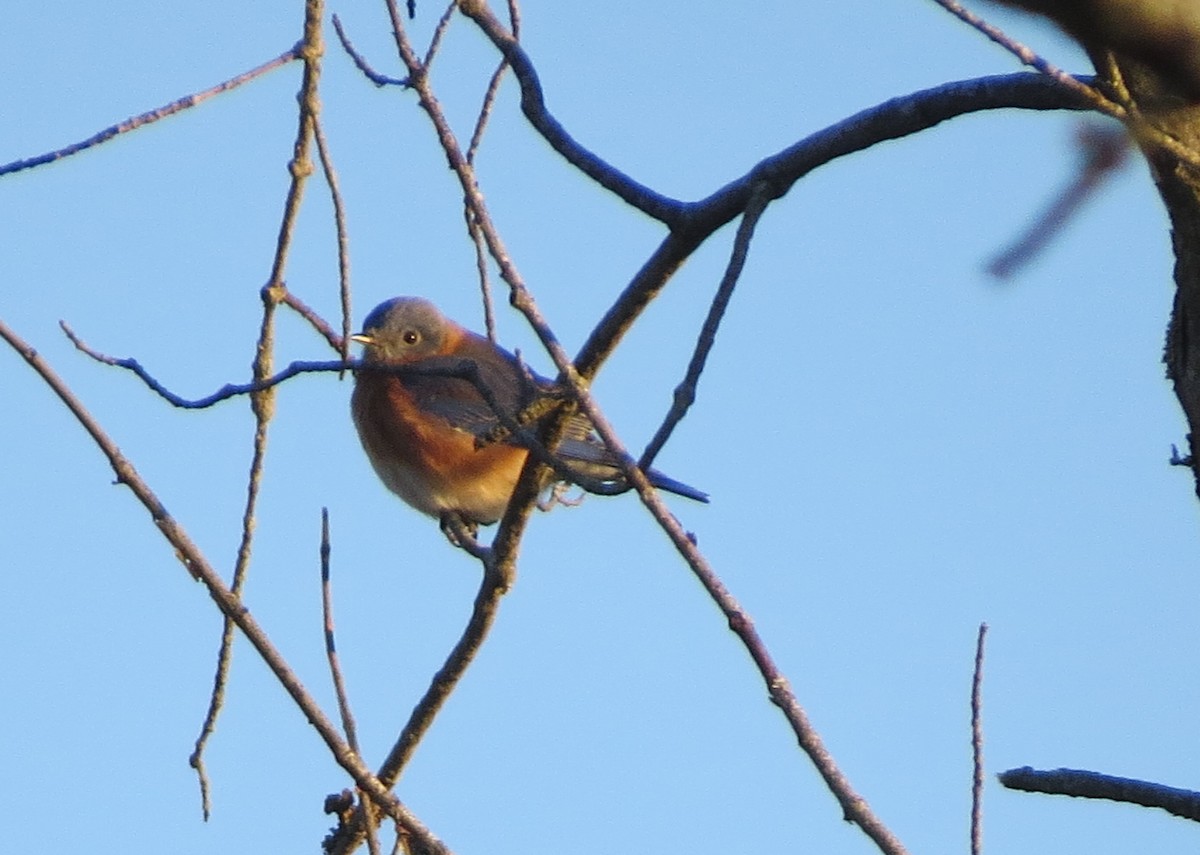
column 403, row 329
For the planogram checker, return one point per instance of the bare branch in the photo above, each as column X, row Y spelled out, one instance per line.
column 439, row 32
column 229, row 390
column 229, row 603
column 343, row 237
column 485, row 112
column 496, row 581
column 854, row 807
column 364, row 804
column 262, row 401
column 335, row 669
column 1093, row 785
column 685, row 392
column 977, row 745
column 1145, row 131
column 318, row 323
column 1031, row 58
column 1104, row 151
column 361, row 64
column 153, row 115
column 533, row 105
column 893, row 119
column 493, row 586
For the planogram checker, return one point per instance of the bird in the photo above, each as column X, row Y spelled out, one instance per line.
column 430, row 434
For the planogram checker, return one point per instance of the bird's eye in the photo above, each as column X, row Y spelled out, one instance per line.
column 411, row 336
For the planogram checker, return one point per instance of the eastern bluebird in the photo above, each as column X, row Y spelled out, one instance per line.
column 420, row 431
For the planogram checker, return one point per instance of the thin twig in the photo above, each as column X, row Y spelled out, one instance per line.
column 262, row 400
column 318, row 323
column 854, row 807
column 481, row 270
column 153, row 115
column 485, row 112
column 361, row 63
column 525, row 494
column 1104, row 151
column 335, row 669
column 496, row 581
column 229, row 604
column 510, row 425
column 514, row 19
column 685, row 392
column 229, row 390
column 499, row 562
column 1030, row 57
column 977, row 744
column 1095, row 98
column 439, row 32
column 493, row 586
column 343, row 235
column 339, row 682
column 481, row 265
column 1094, row 785
column 216, row 700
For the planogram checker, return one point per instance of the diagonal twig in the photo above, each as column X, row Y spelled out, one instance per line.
column 439, row 33
column 229, row 604
column 318, row 323
column 1104, row 151
column 152, row 115
column 685, row 392
column 1146, row 131
column 854, row 807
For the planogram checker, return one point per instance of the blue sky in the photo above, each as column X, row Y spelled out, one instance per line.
column 897, row 448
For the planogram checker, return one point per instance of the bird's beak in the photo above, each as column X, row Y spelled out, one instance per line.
column 362, row 338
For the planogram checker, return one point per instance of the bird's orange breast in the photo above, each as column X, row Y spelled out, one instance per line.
column 427, row 461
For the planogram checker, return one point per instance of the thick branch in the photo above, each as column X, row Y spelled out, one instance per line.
column 1093, row 785
column 890, row 120
column 533, row 105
